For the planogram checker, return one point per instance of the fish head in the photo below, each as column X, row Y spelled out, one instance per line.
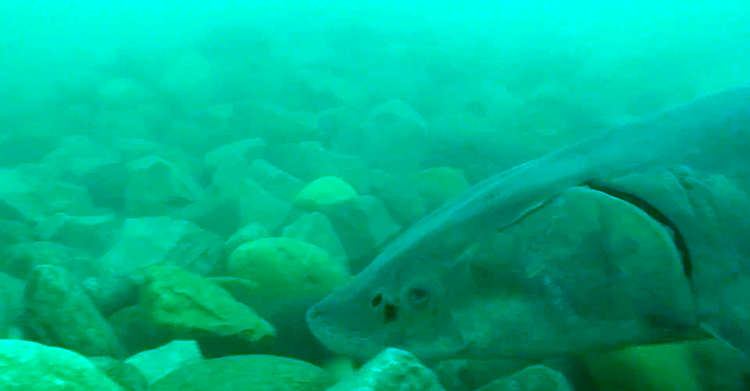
column 398, row 304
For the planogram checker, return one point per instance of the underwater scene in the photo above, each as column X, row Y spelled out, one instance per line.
column 374, row 195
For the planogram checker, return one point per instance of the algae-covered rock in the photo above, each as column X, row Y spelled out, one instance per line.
column 33, row 366
column 189, row 305
column 533, row 378
column 286, row 268
column 324, row 192
column 60, row 313
column 391, row 370
column 246, row 373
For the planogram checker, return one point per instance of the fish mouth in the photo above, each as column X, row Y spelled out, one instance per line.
column 344, row 342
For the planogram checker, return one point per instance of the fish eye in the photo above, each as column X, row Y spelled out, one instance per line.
column 418, row 296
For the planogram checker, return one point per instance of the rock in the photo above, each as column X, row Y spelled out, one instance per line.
column 107, row 185
column 124, row 374
column 309, row 161
column 191, row 306
column 275, row 123
column 440, row 185
column 188, row 163
column 77, row 155
column 136, row 330
column 342, row 127
column 533, row 378
column 157, row 185
column 93, row 234
column 135, row 122
column 401, row 196
column 156, row 363
column 315, row 228
column 245, row 151
column 246, row 373
column 286, row 268
column 249, row 233
column 280, row 184
column 19, row 259
column 25, row 198
column 653, row 367
column 14, row 231
column 33, row 366
column 162, row 241
column 324, row 192
column 62, row 197
column 190, row 79
column 61, row 314
column 719, row 365
column 123, row 93
column 131, row 148
column 194, row 138
column 24, row 148
column 12, row 304
column 471, row 374
column 217, row 213
column 457, row 124
column 395, row 136
column 112, row 292
column 316, row 90
column 256, row 205
column 363, row 224
column 391, row 370
column 17, row 196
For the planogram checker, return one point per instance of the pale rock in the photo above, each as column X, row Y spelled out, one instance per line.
column 157, row 363
column 150, row 241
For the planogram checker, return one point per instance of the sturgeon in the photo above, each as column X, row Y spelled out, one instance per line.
column 639, row 234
